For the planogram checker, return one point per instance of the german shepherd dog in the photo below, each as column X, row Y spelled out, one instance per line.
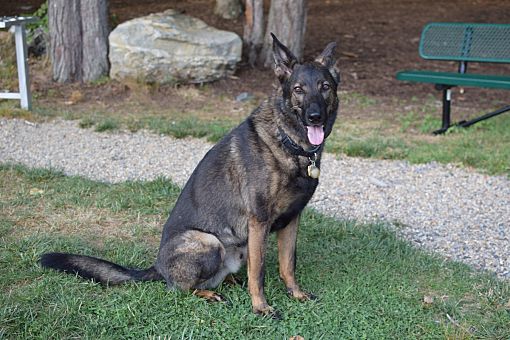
column 256, row 180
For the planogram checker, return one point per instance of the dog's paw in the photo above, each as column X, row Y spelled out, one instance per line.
column 267, row 311
column 301, row 295
column 209, row 295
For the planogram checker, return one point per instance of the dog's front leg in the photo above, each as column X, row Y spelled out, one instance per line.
column 257, row 237
column 287, row 238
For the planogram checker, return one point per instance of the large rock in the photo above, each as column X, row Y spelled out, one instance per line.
column 171, row 47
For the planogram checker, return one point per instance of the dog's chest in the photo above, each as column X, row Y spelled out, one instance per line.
column 291, row 200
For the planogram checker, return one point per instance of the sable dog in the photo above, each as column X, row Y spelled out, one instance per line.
column 257, row 179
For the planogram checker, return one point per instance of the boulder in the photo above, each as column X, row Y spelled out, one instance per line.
column 170, row 47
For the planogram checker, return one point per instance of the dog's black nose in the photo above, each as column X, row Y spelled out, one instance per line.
column 314, row 117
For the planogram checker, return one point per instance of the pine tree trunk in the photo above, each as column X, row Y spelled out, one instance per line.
column 287, row 20
column 253, row 31
column 78, row 39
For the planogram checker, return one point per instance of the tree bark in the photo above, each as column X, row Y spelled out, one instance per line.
column 287, row 20
column 65, row 40
column 95, row 30
column 78, row 39
column 228, row 9
column 253, row 31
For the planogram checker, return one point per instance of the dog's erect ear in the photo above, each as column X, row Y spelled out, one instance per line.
column 327, row 59
column 284, row 60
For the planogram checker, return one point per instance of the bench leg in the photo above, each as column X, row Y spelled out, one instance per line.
column 22, row 64
column 447, row 99
column 484, row 117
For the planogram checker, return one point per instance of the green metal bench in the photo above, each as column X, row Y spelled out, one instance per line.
column 462, row 42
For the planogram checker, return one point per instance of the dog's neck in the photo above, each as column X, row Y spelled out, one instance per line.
column 268, row 115
column 294, row 148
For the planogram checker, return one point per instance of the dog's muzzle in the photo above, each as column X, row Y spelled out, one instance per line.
column 314, row 121
column 313, row 115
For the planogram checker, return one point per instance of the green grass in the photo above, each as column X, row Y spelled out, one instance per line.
column 484, row 146
column 370, row 284
column 107, row 124
column 212, row 130
column 358, row 99
column 369, row 146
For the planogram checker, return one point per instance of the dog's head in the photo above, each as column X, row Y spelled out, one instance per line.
column 309, row 93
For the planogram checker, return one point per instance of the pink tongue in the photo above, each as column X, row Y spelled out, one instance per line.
column 315, row 134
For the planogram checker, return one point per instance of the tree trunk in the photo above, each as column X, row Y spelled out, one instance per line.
column 65, row 39
column 228, row 9
column 287, row 20
column 253, row 31
column 94, row 14
column 78, row 39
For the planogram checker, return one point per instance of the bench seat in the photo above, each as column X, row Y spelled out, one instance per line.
column 456, row 79
column 462, row 42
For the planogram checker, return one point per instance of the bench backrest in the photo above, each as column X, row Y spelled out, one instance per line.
column 466, row 42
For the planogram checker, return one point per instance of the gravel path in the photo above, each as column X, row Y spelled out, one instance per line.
column 459, row 213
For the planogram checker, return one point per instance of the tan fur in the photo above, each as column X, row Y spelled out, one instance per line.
column 257, row 235
column 196, row 241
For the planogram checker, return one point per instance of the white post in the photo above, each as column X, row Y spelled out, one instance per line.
column 22, row 63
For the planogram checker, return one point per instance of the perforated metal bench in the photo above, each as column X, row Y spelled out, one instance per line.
column 462, row 42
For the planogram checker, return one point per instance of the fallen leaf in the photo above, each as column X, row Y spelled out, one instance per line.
column 428, row 299
column 36, row 191
column 296, row 337
column 76, row 96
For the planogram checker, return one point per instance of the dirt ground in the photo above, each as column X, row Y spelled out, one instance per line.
column 376, row 38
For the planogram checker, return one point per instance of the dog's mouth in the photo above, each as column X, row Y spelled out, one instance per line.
column 315, row 134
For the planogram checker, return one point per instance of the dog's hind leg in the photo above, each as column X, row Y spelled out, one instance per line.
column 192, row 260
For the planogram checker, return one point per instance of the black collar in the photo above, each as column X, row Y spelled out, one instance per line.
column 295, row 149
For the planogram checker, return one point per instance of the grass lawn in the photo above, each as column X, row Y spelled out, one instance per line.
column 369, row 283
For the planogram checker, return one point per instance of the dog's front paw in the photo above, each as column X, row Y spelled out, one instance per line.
column 266, row 310
column 301, row 295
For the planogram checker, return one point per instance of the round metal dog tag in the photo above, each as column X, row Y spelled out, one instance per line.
column 313, row 171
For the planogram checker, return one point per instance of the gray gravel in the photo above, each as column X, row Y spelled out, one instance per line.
column 458, row 213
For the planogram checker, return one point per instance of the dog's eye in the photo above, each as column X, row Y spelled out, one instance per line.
column 298, row 90
column 325, row 86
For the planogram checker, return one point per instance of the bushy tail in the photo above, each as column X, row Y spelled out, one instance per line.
column 100, row 270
